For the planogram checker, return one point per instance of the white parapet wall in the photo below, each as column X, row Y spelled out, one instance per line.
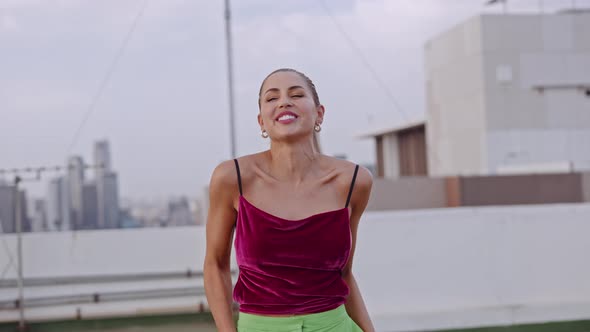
column 125, row 264
column 417, row 270
column 107, row 252
column 463, row 267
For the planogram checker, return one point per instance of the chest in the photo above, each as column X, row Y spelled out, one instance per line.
column 290, row 203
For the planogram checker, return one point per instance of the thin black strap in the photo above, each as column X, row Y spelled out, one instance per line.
column 356, row 169
column 239, row 176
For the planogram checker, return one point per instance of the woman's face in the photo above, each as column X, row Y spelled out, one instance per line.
column 287, row 108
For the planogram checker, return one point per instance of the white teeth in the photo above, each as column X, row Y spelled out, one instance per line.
column 286, row 117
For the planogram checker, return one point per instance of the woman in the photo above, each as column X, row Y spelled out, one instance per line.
column 295, row 213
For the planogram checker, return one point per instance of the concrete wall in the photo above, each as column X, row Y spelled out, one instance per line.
column 407, row 193
column 132, row 252
column 455, row 101
column 417, row 270
column 523, row 189
column 506, row 90
column 526, row 126
column 586, row 186
column 450, row 268
column 107, row 252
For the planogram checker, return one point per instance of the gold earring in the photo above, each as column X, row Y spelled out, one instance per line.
column 317, row 128
column 264, row 134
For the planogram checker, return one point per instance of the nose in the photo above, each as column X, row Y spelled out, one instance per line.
column 285, row 102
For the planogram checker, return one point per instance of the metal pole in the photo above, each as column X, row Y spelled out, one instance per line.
column 19, row 251
column 230, row 80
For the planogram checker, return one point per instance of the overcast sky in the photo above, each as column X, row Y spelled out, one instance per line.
column 164, row 108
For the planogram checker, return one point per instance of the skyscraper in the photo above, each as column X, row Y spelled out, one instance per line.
column 76, row 184
column 58, row 205
column 38, row 216
column 7, row 210
column 107, row 187
column 90, row 206
column 110, row 186
column 102, row 157
column 179, row 213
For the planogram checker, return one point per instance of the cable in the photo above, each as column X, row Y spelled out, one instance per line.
column 365, row 62
column 376, row 77
column 107, row 76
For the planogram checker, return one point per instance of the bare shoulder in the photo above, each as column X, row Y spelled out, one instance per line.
column 250, row 165
column 362, row 184
column 224, row 175
column 345, row 170
column 362, row 188
column 223, row 187
column 364, row 179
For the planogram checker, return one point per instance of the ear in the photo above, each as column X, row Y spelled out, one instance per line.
column 321, row 110
column 260, row 122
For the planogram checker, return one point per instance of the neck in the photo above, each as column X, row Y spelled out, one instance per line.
column 292, row 161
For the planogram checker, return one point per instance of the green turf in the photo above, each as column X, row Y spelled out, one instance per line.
column 203, row 319
column 571, row 326
column 204, row 322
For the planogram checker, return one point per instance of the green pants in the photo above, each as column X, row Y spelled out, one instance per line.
column 336, row 320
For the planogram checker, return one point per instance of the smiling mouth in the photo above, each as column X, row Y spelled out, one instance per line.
column 286, row 117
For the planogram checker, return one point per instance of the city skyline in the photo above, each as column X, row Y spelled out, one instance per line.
column 77, row 200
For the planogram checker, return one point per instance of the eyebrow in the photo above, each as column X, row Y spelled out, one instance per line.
column 290, row 88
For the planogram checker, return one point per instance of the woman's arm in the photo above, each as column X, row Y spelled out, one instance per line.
column 355, row 306
column 220, row 224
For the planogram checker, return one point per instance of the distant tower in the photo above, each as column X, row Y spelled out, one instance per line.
column 107, row 187
column 7, row 213
column 58, row 205
column 90, row 201
column 102, row 157
column 38, row 216
column 76, row 187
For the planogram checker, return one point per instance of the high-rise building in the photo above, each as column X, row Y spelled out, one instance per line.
column 58, row 205
column 179, row 213
column 38, row 216
column 102, row 156
column 107, row 187
column 7, row 210
column 111, row 200
column 90, row 206
column 76, row 184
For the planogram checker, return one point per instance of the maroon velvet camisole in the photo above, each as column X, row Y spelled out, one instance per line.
column 291, row 266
